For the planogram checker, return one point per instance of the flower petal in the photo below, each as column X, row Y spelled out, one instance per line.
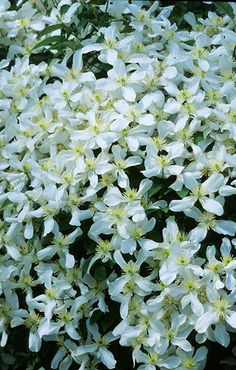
column 212, row 206
column 180, row 205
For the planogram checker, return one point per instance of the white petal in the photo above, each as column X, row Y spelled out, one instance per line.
column 147, row 120
column 4, row 338
column 87, row 348
column 197, row 306
column 121, row 106
column 117, row 286
column 91, row 47
column 132, row 143
column 204, row 65
column 201, row 354
column 29, row 230
column 172, row 106
column 170, row 72
column 175, row 170
column 111, row 56
column 227, row 190
column 183, row 344
column 119, row 259
column 139, row 214
column 104, row 140
column 213, row 183
column 16, row 197
column 34, row 341
column 212, row 206
column 144, row 186
column 119, row 124
column 133, row 161
column 144, row 284
column 231, row 319
column 57, row 358
column 37, row 26
column 46, row 252
column 172, row 89
column 113, row 197
column 65, row 364
column 205, row 321
column 48, row 226
column 128, row 93
column 230, row 280
column 119, row 68
column 13, row 252
column 47, row 328
column 167, row 276
column 198, row 234
column 70, row 260
column 149, row 244
column 120, row 328
column 124, row 307
column 72, row 332
column 23, row 213
column 180, row 205
column 225, row 227
column 221, row 335
column 107, row 358
column 158, row 98
column 122, row 230
column 189, row 181
column 99, row 227
column 170, row 363
column 4, row 63
column 128, row 246
column 204, row 112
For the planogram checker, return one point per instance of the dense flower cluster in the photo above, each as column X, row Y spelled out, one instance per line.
column 115, row 186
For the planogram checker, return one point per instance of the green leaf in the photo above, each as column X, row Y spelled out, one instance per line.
column 226, row 7
column 111, row 264
column 3, row 52
column 231, row 362
column 4, row 204
column 190, row 42
column 100, row 273
column 85, row 265
column 80, row 9
column 48, row 41
column 154, row 189
column 69, row 44
column 183, row 193
column 95, row 316
column 108, row 321
column 51, row 28
column 198, row 138
column 64, row 9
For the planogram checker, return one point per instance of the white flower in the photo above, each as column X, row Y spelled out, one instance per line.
column 218, row 312
column 60, row 246
column 199, row 192
column 188, row 361
column 176, row 334
column 80, row 134
column 98, row 347
column 206, row 221
column 163, row 165
column 155, row 358
column 131, row 272
column 132, row 234
column 119, row 79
